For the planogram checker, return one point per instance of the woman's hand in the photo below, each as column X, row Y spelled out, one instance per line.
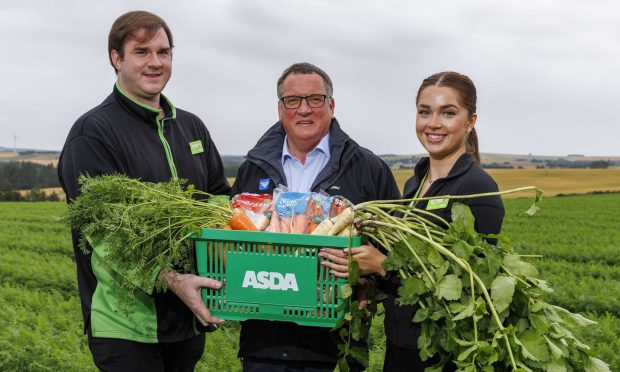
column 338, row 261
column 369, row 258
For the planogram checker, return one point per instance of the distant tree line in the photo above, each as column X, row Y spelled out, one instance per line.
column 562, row 163
column 496, row 165
column 599, row 164
column 23, row 175
column 231, row 168
column 400, row 161
column 36, row 194
column 557, row 163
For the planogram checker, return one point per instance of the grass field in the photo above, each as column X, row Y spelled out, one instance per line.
column 41, row 319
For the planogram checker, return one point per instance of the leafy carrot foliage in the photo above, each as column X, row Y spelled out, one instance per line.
column 479, row 306
column 141, row 227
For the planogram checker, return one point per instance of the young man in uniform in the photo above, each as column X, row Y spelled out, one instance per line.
column 140, row 133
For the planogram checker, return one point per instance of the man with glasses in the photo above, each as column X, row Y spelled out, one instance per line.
column 306, row 151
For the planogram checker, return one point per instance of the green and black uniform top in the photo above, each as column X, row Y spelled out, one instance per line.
column 465, row 178
column 122, row 135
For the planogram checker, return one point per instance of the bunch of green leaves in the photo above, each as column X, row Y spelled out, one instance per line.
column 142, row 227
column 479, row 306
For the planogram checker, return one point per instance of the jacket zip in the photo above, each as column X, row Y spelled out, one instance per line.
column 160, row 128
column 160, row 132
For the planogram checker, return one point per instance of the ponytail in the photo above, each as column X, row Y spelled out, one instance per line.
column 472, row 145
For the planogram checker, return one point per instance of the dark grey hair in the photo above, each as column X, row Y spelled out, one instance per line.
column 305, row 68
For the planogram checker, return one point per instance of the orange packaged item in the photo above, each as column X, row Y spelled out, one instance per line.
column 338, row 204
column 255, row 207
column 241, row 221
column 274, row 222
column 317, row 210
column 291, row 210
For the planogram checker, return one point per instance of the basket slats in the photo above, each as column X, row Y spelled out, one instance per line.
column 270, row 276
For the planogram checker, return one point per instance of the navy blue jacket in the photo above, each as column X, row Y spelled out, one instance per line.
column 353, row 172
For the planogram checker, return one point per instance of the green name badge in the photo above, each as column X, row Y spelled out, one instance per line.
column 436, row 204
column 196, row 147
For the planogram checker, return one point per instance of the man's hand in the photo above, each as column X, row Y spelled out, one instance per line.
column 187, row 287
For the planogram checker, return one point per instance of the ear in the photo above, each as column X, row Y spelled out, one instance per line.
column 115, row 56
column 471, row 122
column 332, row 106
column 281, row 110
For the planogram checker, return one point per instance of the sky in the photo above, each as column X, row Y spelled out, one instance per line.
column 547, row 72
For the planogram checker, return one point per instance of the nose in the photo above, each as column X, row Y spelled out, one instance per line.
column 154, row 59
column 435, row 121
column 304, row 108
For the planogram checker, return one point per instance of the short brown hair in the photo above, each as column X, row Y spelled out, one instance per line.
column 128, row 25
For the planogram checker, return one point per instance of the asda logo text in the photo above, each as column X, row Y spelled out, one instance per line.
column 270, row 280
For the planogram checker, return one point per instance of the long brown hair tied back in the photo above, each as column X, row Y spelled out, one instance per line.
column 467, row 93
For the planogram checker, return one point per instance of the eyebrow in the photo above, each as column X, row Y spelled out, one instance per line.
column 441, row 107
column 144, row 49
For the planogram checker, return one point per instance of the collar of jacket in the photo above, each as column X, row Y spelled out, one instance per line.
column 142, row 111
column 268, row 152
column 461, row 166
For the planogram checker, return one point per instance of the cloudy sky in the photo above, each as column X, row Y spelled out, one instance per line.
column 547, row 72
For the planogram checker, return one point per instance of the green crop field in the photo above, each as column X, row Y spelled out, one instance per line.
column 41, row 319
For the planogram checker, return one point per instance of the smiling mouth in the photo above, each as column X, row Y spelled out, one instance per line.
column 435, row 138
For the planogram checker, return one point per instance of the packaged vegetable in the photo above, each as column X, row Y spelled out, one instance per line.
column 291, row 210
column 255, row 207
column 317, row 210
column 274, row 222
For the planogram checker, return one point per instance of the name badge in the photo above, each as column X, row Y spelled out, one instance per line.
column 436, row 204
column 196, row 147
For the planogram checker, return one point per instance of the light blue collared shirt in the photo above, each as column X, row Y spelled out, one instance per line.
column 299, row 177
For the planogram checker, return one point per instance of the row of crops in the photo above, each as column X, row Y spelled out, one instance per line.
column 41, row 319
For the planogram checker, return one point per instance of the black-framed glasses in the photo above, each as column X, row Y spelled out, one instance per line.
column 313, row 100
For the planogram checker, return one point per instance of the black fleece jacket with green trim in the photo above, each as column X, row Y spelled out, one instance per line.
column 123, row 136
column 465, row 178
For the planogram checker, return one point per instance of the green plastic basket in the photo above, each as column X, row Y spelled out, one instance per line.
column 270, row 276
